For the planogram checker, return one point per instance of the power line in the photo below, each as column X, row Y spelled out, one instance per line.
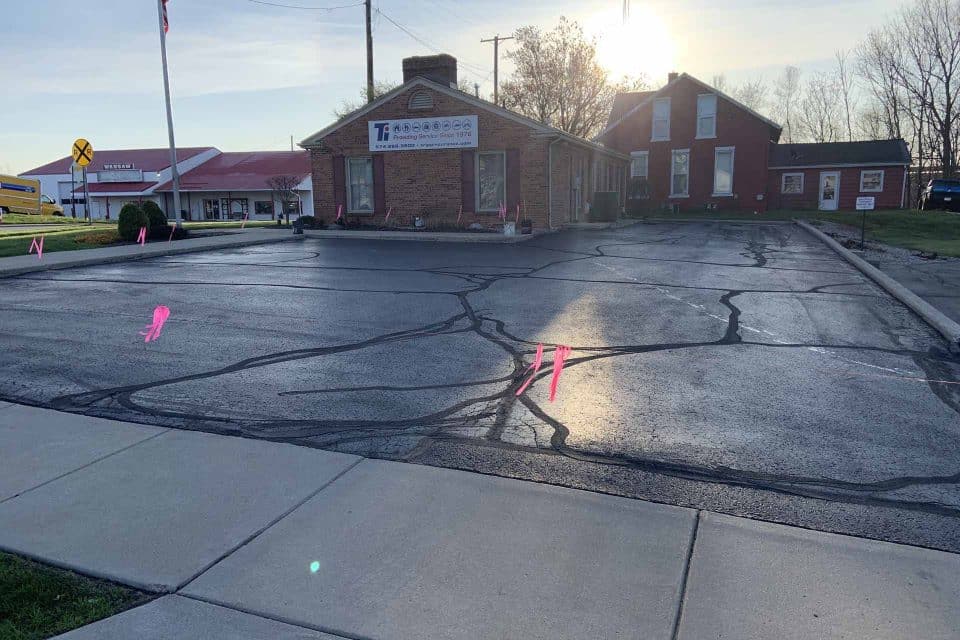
column 432, row 47
column 293, row 6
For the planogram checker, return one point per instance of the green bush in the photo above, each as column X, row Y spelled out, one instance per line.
column 606, row 206
column 310, row 222
column 131, row 220
column 155, row 214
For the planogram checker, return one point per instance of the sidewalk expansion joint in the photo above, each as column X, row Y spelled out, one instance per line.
column 257, row 533
column 686, row 576
column 91, row 463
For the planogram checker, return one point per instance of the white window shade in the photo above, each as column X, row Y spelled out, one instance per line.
column 707, row 116
column 661, row 119
column 680, row 173
column 639, row 164
column 360, row 185
column 723, row 171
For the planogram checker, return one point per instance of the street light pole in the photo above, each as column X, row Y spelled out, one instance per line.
column 174, row 174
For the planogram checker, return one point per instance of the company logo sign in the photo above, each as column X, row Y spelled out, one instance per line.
column 451, row 132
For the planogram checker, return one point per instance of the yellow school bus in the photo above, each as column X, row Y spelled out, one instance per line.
column 22, row 195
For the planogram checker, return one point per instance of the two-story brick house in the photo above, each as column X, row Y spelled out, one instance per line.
column 694, row 147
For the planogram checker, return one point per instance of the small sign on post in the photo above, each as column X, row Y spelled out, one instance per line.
column 82, row 153
column 864, row 204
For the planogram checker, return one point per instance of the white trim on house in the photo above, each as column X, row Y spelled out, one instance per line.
column 653, row 121
column 634, row 155
column 673, row 153
column 705, row 86
column 702, row 115
column 783, row 183
column 880, row 188
column 836, row 191
column 716, row 152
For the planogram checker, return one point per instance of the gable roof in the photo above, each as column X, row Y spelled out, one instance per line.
column 538, row 127
column 624, row 102
column 651, row 95
column 143, row 159
column 864, row 152
column 243, row 171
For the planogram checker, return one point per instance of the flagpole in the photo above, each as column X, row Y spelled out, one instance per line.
column 166, row 93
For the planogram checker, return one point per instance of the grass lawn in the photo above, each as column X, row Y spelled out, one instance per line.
column 23, row 218
column 37, row 601
column 18, row 243
column 930, row 231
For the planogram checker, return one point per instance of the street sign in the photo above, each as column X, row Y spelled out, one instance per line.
column 865, row 203
column 82, row 152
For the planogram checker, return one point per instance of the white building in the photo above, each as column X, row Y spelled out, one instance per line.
column 213, row 185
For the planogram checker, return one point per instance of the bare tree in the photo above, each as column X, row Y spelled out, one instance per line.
column 284, row 189
column 752, row 94
column 559, row 81
column 786, row 93
column 720, row 82
column 845, row 84
column 819, row 116
column 346, row 107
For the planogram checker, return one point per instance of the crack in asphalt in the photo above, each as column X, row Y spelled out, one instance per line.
column 498, row 404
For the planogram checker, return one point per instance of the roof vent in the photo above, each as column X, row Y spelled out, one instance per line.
column 420, row 101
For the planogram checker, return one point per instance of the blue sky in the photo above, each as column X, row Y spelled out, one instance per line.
column 247, row 76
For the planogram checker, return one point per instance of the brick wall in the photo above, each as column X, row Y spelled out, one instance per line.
column 736, row 127
column 849, row 188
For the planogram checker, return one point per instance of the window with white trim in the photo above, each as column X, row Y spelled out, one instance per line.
column 723, row 171
column 707, row 115
column 661, row 119
column 491, row 180
column 680, row 173
column 639, row 164
column 791, row 183
column 871, row 181
column 360, row 185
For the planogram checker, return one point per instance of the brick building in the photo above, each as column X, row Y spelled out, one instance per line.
column 694, row 147
column 431, row 151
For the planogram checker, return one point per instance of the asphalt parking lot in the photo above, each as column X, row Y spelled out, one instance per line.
column 742, row 368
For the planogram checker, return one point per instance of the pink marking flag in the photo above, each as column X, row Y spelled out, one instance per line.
column 518, row 213
column 387, row 217
column 160, row 315
column 339, row 211
column 38, row 246
column 172, row 229
column 537, row 361
column 460, row 214
column 142, row 236
column 245, row 216
column 559, row 355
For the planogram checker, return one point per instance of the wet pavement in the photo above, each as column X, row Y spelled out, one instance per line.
column 740, row 368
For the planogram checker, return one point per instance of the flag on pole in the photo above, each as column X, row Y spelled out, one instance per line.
column 166, row 22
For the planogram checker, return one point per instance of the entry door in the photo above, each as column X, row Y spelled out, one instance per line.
column 829, row 190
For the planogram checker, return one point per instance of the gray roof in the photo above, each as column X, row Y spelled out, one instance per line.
column 866, row 152
column 623, row 102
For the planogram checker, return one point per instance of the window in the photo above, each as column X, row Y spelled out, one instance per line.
column 291, row 207
column 639, row 164
column 234, row 208
column 263, row 208
column 420, row 101
column 491, row 180
column 871, row 181
column 723, row 171
column 791, row 183
column 680, row 173
column 360, row 185
column 211, row 209
column 707, row 115
column 661, row 119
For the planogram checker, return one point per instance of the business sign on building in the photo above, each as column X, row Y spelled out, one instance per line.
column 453, row 132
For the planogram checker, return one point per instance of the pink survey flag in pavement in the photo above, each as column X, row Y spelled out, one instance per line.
column 160, row 315
column 560, row 354
column 460, row 214
column 387, row 217
column 142, row 236
column 537, row 361
column 339, row 211
column 38, row 246
column 244, row 223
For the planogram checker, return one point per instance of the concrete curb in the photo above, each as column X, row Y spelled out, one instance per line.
column 727, row 220
column 420, row 236
column 949, row 329
column 148, row 251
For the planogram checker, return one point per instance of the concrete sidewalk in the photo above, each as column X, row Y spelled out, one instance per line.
column 252, row 539
column 64, row 259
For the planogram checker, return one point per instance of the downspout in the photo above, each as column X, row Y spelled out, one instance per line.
column 903, row 192
column 550, row 181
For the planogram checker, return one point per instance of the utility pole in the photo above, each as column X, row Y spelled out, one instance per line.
column 174, row 174
column 366, row 7
column 496, row 40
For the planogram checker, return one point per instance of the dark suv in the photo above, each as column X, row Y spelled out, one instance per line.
column 941, row 194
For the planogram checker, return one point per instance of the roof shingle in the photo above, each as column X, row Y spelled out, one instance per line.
column 837, row 153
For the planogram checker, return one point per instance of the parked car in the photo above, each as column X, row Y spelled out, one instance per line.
column 22, row 195
column 941, row 193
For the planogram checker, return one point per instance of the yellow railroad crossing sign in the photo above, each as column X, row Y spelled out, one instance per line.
column 82, row 152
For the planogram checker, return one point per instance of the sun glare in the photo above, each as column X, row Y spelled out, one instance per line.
column 642, row 45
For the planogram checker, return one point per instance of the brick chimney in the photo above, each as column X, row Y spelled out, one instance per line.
column 673, row 75
column 440, row 68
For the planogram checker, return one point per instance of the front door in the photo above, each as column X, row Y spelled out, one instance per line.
column 829, row 190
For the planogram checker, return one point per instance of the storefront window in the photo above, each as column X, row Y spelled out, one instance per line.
column 491, row 180
column 235, row 208
column 263, row 208
column 360, row 185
